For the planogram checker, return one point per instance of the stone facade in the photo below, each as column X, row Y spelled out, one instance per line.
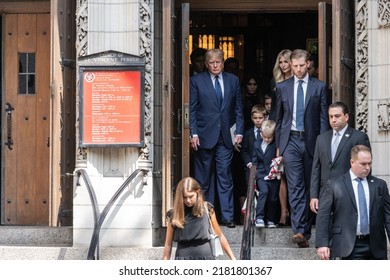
column 127, row 26
column 377, row 65
column 124, row 26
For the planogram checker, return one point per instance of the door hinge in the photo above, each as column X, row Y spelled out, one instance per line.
column 64, row 212
column 67, row 62
column 350, row 63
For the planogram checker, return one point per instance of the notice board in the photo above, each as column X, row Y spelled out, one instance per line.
column 112, row 102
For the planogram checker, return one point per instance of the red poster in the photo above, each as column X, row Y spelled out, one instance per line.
column 112, row 107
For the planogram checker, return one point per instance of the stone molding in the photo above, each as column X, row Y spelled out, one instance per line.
column 384, row 115
column 361, row 65
column 81, row 50
column 383, row 13
column 146, row 13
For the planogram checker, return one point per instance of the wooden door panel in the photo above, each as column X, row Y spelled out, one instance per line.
column 25, row 183
column 27, row 33
column 167, row 124
column 27, row 164
column 43, row 119
column 325, row 45
column 10, row 82
column 344, row 54
column 185, row 90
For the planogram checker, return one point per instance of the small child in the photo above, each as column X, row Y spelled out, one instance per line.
column 258, row 114
column 271, row 113
column 267, row 201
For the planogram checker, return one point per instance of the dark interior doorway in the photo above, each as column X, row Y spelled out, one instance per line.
column 255, row 39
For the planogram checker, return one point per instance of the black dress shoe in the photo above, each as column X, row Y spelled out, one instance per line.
column 229, row 224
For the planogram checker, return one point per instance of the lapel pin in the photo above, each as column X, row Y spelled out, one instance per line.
column 346, row 135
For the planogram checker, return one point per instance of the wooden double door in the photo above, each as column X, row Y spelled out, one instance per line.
column 26, row 120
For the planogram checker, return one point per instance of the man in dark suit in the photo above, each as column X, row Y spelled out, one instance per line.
column 351, row 223
column 328, row 163
column 301, row 115
column 215, row 106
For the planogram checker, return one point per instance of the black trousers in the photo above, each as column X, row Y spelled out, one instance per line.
column 361, row 251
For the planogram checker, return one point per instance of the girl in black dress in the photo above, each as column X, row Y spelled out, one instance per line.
column 188, row 225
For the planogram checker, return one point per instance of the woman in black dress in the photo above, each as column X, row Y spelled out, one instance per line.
column 188, row 225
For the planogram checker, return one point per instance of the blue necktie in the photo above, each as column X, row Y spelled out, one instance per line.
column 364, row 228
column 300, row 107
column 258, row 137
column 218, row 90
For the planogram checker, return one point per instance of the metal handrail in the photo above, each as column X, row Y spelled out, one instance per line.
column 247, row 233
column 98, row 217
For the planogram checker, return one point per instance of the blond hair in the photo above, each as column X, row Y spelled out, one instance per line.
column 268, row 127
column 258, row 109
column 278, row 74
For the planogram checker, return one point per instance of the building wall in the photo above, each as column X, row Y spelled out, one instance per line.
column 376, row 65
column 128, row 26
column 124, row 26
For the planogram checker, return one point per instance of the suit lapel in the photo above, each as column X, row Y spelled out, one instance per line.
column 226, row 89
column 349, row 187
column 309, row 91
column 290, row 96
column 372, row 190
column 328, row 145
column 252, row 138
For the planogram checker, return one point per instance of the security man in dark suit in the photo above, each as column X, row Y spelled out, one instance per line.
column 301, row 115
column 332, row 155
column 354, row 213
column 215, row 106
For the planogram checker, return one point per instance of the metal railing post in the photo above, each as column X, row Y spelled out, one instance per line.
column 98, row 218
column 247, row 233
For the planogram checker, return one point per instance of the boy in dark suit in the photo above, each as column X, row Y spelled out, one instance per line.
column 271, row 113
column 258, row 114
column 263, row 153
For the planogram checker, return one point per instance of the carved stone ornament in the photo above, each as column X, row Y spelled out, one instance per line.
column 81, row 50
column 361, row 65
column 384, row 13
column 384, row 115
column 145, row 27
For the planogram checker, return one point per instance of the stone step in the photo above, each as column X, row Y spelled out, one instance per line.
column 62, row 236
column 36, row 236
column 155, row 253
column 24, row 243
column 53, row 243
column 280, row 236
